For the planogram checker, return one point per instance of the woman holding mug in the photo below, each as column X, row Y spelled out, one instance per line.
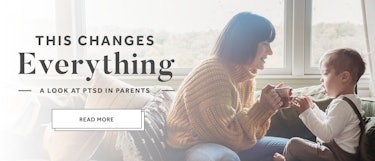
column 215, row 115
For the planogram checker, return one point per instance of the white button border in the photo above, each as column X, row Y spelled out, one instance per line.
column 53, row 126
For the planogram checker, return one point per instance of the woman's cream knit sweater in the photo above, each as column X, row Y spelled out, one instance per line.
column 215, row 104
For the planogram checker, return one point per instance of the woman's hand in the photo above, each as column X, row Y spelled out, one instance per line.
column 303, row 103
column 269, row 98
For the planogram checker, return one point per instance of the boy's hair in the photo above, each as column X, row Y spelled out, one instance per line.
column 345, row 59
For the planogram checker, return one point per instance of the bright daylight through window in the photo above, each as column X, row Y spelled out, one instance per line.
column 342, row 27
column 183, row 30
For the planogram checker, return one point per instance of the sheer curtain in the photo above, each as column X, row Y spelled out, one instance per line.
column 369, row 21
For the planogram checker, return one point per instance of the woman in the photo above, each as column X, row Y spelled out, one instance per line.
column 214, row 113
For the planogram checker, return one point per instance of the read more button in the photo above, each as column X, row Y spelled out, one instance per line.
column 97, row 119
column 84, row 119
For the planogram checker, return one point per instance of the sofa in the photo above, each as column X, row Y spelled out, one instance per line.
column 41, row 143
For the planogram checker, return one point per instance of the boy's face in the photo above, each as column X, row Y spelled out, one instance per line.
column 331, row 81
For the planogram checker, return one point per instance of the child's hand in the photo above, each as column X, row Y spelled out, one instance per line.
column 302, row 103
column 311, row 103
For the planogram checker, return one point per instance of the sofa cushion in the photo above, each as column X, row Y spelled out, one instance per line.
column 149, row 145
column 110, row 100
column 369, row 107
column 285, row 123
column 367, row 145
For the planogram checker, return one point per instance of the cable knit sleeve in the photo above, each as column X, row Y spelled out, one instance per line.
column 210, row 107
column 259, row 117
column 215, row 113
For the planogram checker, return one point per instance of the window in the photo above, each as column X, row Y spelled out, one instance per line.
column 23, row 21
column 187, row 30
column 334, row 27
column 183, row 30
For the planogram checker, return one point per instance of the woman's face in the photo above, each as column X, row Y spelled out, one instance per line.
column 264, row 49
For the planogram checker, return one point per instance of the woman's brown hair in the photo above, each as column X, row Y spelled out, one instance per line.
column 238, row 42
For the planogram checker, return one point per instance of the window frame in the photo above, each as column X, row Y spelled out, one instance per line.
column 308, row 68
column 70, row 20
column 297, row 29
column 288, row 30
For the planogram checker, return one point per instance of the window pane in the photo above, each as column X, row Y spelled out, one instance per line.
column 335, row 24
column 23, row 21
column 182, row 30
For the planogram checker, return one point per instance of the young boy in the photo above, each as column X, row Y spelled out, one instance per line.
column 337, row 129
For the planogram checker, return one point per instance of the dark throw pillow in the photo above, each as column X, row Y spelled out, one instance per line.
column 367, row 145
